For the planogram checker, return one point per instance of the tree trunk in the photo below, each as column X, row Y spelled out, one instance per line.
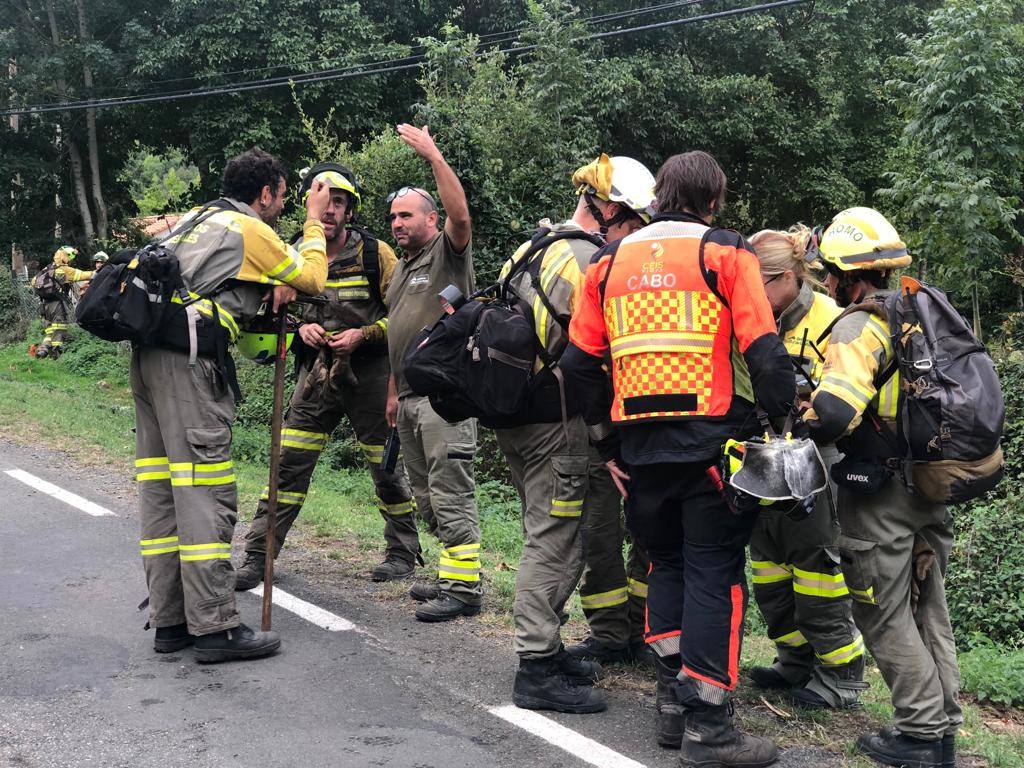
column 76, row 156
column 90, row 127
column 975, row 305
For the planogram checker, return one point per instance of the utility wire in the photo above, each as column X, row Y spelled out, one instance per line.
column 341, row 74
column 487, row 39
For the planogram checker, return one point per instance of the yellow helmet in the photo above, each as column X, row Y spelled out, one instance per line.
column 618, row 180
column 335, row 176
column 862, row 238
column 64, row 255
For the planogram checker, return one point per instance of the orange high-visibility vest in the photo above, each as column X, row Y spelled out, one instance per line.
column 669, row 326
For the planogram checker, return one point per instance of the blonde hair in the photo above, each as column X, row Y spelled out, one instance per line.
column 779, row 251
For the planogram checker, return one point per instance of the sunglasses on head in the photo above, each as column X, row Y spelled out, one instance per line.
column 405, row 191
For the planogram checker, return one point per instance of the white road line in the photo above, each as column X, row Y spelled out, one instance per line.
column 58, row 493
column 585, row 749
column 311, row 613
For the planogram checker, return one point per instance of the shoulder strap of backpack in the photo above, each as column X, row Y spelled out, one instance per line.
column 541, row 240
column 371, row 261
column 210, row 209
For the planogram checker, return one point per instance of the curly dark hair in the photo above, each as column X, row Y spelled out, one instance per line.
column 246, row 175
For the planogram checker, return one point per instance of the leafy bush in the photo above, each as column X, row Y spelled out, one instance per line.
column 17, row 307
column 93, row 358
column 993, row 674
column 986, row 572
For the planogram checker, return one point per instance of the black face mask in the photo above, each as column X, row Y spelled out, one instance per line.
column 848, row 293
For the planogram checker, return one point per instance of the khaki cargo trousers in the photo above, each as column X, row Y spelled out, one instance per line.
column 55, row 323
column 613, row 594
column 800, row 589
column 186, row 485
column 914, row 649
column 315, row 410
column 549, row 469
column 439, row 459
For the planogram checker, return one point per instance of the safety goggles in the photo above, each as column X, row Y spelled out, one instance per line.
column 813, row 253
column 402, row 192
column 773, row 278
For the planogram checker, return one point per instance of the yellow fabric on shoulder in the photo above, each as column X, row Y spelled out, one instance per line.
column 268, row 259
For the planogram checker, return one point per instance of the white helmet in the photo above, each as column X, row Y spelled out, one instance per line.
column 618, row 179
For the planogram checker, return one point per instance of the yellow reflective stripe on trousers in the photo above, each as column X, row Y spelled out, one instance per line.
column 572, row 508
column 637, row 588
column 285, row 497
column 844, row 655
column 159, row 546
column 792, row 640
column 819, row 584
column 767, row 572
column 864, row 595
column 303, row 440
column 181, row 473
column 215, row 550
column 222, row 473
column 460, row 570
column 603, row 599
column 153, row 468
column 396, row 509
column 374, row 453
column 461, row 551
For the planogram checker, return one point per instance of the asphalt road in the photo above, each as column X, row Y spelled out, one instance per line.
column 81, row 686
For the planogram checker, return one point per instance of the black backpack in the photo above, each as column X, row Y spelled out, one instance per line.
column 478, row 361
column 132, row 299
column 45, row 284
column 950, row 411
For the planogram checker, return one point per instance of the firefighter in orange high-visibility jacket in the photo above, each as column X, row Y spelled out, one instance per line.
column 681, row 309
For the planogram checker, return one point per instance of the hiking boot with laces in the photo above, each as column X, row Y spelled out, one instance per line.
column 422, row 591
column 711, row 740
column 393, row 569
column 670, row 711
column 174, row 638
column 581, row 671
column 445, row 607
column 235, row 644
column 892, row 747
column 543, row 684
column 250, row 573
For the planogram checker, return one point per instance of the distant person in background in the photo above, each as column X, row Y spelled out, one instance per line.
column 53, row 286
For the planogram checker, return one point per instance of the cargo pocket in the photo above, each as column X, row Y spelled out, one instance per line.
column 858, row 559
column 221, row 609
column 213, row 470
column 569, row 476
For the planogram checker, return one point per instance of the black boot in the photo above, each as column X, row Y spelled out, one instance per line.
column 593, row 649
column 238, row 643
column 582, row 671
column 833, row 687
column 542, row 684
column 170, row 639
column 445, row 607
column 891, row 747
column 422, row 591
column 769, row 678
column 393, row 569
column 670, row 711
column 711, row 740
column 250, row 573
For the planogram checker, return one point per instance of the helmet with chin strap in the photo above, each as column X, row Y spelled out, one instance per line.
column 335, row 176
column 621, row 180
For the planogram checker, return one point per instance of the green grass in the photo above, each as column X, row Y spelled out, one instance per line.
column 82, row 405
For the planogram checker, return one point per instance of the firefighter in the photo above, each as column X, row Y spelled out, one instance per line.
column 893, row 544
column 99, row 260
column 53, row 285
column 798, row 583
column 438, row 455
column 343, row 371
column 548, row 457
column 184, row 407
column 671, row 303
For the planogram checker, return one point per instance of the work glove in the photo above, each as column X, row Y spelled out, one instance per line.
column 923, row 562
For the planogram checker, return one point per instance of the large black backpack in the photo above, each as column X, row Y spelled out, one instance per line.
column 45, row 284
column 950, row 411
column 132, row 298
column 479, row 360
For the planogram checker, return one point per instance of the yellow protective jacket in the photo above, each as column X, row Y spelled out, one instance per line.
column 235, row 248
column 800, row 325
column 72, row 275
column 859, row 352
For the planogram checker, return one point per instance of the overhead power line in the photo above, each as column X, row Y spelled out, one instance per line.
column 404, row 63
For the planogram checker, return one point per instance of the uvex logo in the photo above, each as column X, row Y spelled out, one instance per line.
column 857, row 478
